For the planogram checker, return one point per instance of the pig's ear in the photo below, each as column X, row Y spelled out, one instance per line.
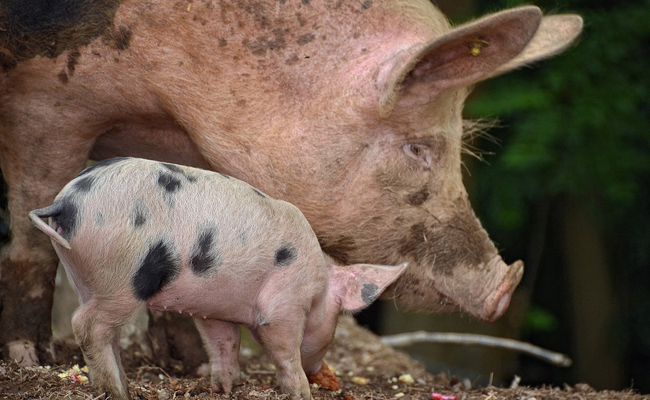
column 554, row 35
column 471, row 53
column 358, row 285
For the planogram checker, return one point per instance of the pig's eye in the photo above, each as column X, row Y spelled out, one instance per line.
column 419, row 153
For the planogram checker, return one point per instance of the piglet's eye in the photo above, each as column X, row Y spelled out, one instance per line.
column 419, row 152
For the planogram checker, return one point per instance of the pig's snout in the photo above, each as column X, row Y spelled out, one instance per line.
column 497, row 303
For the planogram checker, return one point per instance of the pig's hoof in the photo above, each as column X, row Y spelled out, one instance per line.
column 223, row 386
column 23, row 352
column 325, row 378
column 224, row 381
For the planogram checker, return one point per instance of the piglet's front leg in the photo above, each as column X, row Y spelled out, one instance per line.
column 281, row 338
column 221, row 340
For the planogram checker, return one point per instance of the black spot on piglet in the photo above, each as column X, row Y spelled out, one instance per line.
column 204, row 254
column 369, row 292
column 65, row 217
column 84, row 184
column 139, row 214
column 173, row 168
column 158, row 268
column 285, row 255
column 169, row 182
column 178, row 170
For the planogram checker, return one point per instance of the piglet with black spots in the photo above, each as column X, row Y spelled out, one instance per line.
column 131, row 232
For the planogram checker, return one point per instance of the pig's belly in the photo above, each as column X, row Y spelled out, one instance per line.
column 226, row 298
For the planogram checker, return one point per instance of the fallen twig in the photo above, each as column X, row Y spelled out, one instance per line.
column 407, row 339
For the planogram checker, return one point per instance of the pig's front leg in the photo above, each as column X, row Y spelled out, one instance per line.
column 221, row 340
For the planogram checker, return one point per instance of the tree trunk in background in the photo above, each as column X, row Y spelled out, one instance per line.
column 597, row 358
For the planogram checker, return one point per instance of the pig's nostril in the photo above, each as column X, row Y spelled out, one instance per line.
column 503, row 304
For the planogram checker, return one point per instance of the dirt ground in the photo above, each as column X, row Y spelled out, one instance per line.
column 366, row 369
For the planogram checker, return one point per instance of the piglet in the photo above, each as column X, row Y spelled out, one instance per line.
column 133, row 232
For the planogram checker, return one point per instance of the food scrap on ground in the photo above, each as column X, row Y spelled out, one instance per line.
column 438, row 396
column 325, row 378
column 360, row 380
column 406, row 378
column 75, row 374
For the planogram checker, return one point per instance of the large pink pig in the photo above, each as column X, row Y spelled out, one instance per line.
column 351, row 110
column 133, row 231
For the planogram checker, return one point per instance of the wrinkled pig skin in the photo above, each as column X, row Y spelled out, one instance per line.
column 131, row 232
column 352, row 111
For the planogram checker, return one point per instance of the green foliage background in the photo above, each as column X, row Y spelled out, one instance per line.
column 575, row 129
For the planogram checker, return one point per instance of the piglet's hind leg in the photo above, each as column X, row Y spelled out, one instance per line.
column 97, row 330
column 221, row 340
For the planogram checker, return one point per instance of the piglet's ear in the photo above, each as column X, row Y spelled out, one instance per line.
column 461, row 57
column 358, row 285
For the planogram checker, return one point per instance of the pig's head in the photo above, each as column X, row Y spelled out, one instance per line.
column 349, row 289
column 375, row 161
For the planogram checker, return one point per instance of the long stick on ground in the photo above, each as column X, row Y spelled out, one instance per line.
column 407, row 339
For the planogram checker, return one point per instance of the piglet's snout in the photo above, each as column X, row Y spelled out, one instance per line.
column 498, row 301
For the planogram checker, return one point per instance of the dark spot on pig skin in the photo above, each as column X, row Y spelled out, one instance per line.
column 172, row 167
column 139, row 214
column 285, row 255
column 366, row 4
column 29, row 28
column 369, row 292
column 301, row 20
column 66, row 218
column 292, row 60
column 419, row 197
column 118, row 38
column 73, row 57
column 63, row 77
column 260, row 46
column 158, row 268
column 7, row 63
column 205, row 256
column 223, row 42
column 99, row 219
column 179, row 170
column 305, row 2
column 306, row 38
column 83, row 185
column 339, row 248
column 169, row 182
column 102, row 164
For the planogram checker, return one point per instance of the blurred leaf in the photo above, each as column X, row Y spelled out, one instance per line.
column 539, row 320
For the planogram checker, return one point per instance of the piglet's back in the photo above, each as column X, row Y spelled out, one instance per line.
column 184, row 225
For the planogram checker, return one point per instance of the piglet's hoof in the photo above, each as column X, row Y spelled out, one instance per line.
column 325, row 378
